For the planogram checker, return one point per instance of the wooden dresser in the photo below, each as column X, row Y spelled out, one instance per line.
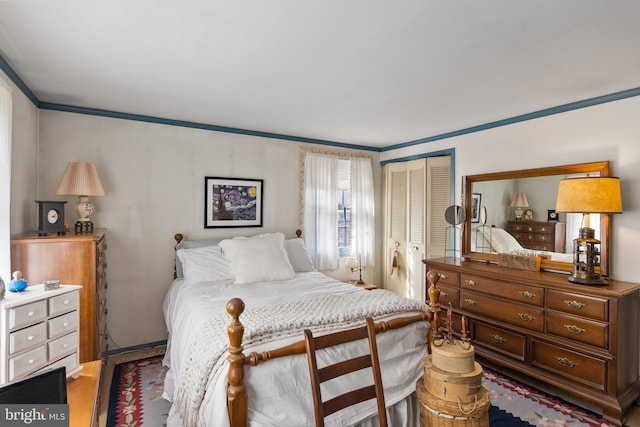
column 582, row 339
column 541, row 236
column 74, row 259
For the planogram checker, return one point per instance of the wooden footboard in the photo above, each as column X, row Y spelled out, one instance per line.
column 236, row 392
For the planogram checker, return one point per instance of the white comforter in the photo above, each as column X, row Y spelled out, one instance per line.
column 278, row 390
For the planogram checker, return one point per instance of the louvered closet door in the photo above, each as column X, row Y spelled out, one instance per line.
column 416, row 213
column 395, row 175
column 416, row 195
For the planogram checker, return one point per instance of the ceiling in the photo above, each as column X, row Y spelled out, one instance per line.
column 374, row 73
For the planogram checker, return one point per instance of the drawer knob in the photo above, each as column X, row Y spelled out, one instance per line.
column 65, row 324
column 566, row 362
column 575, row 304
column 470, row 282
column 30, row 338
column 526, row 317
column 30, row 314
column 471, row 302
column 575, row 329
column 444, row 276
column 443, row 294
column 526, row 294
column 31, row 361
column 65, row 345
column 497, row 338
column 66, row 302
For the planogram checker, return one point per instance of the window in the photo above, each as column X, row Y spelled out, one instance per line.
column 338, row 209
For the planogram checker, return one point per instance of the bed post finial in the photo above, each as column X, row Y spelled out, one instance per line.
column 298, row 233
column 434, row 304
column 236, row 393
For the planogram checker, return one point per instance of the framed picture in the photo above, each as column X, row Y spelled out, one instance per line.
column 528, row 215
column 232, row 202
column 476, row 201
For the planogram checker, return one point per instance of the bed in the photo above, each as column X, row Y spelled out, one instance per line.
column 497, row 240
column 258, row 294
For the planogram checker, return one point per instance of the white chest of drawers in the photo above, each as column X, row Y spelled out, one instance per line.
column 39, row 330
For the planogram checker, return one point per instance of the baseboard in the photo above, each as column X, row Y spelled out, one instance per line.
column 136, row 347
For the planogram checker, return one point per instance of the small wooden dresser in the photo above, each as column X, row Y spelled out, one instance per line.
column 78, row 259
column 541, row 236
column 582, row 339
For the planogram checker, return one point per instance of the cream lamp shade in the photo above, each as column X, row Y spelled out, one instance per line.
column 519, row 201
column 588, row 195
column 82, row 180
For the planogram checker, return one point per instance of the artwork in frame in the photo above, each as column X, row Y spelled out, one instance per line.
column 476, row 200
column 232, row 202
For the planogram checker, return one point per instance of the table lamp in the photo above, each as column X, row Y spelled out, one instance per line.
column 354, row 265
column 586, row 196
column 82, row 180
column 519, row 201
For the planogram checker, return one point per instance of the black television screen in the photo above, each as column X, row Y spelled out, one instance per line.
column 48, row 387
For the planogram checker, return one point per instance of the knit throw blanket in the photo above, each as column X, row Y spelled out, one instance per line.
column 322, row 313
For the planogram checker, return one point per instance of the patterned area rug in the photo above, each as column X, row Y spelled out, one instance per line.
column 136, row 400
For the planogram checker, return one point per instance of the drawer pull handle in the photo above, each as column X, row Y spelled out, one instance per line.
column 444, row 276
column 65, row 345
column 575, row 329
column 66, row 302
column 471, row 302
column 526, row 317
column 443, row 294
column 470, row 282
column 566, row 362
column 575, row 304
column 30, row 338
column 30, row 314
column 31, row 361
column 65, row 324
column 497, row 338
column 526, row 294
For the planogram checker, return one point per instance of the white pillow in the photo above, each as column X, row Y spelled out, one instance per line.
column 298, row 256
column 260, row 258
column 501, row 240
column 204, row 264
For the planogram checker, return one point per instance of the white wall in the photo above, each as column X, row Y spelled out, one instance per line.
column 608, row 131
column 154, row 179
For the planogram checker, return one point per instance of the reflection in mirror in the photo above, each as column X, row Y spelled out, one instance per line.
column 540, row 228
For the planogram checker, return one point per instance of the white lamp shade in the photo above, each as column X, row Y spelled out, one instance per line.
column 520, row 201
column 352, row 262
column 80, row 179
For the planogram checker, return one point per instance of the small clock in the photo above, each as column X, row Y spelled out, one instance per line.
column 552, row 215
column 50, row 217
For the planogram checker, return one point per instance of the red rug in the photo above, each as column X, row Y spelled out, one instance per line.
column 135, row 400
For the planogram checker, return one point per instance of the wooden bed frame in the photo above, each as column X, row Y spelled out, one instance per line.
column 236, row 391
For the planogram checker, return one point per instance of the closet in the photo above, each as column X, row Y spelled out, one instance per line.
column 416, row 194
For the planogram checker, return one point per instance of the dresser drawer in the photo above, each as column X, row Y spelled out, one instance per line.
column 70, row 362
column 63, row 345
column 570, row 364
column 63, row 303
column 27, row 314
column 500, row 340
column 447, row 277
column 578, row 329
column 63, row 324
column 27, row 337
column 27, row 362
column 521, row 315
column 448, row 296
column 580, row 305
column 521, row 293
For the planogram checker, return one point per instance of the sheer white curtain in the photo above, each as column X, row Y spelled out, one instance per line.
column 320, row 210
column 5, row 180
column 362, row 211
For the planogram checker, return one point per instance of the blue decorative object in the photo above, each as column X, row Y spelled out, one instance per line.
column 18, row 284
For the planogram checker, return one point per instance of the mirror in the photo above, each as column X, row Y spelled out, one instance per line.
column 495, row 191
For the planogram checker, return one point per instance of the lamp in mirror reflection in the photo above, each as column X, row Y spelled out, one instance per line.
column 82, row 180
column 519, row 201
column 588, row 195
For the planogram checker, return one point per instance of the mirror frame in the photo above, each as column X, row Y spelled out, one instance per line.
column 602, row 167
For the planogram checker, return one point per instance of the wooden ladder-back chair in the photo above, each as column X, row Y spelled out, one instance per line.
column 317, row 375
